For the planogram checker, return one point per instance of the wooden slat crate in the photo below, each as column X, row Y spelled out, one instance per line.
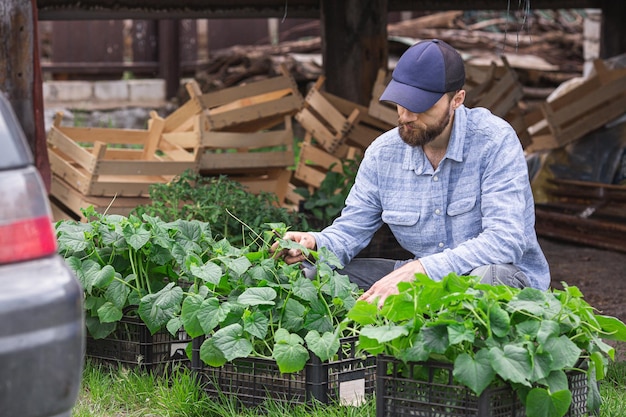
column 87, row 159
column 274, row 181
column 590, row 105
column 327, row 125
column 73, row 200
column 315, row 163
column 366, row 129
column 251, row 107
column 377, row 109
column 500, row 94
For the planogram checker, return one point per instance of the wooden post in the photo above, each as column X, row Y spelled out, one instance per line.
column 613, row 36
column 20, row 75
column 169, row 56
column 354, row 46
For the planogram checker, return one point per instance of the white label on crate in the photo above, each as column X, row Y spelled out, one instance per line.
column 352, row 392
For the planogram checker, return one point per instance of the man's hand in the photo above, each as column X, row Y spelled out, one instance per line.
column 292, row 256
column 388, row 284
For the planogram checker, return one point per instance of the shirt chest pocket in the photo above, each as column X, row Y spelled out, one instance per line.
column 400, row 218
column 462, row 206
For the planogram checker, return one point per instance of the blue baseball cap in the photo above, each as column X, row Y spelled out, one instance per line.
column 424, row 73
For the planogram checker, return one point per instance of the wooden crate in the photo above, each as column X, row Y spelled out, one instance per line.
column 68, row 199
column 275, row 181
column 499, row 93
column 315, row 163
column 367, row 127
column 250, row 107
column 590, row 105
column 87, row 159
column 325, row 123
column 380, row 110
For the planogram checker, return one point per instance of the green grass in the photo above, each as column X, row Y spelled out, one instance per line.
column 120, row 392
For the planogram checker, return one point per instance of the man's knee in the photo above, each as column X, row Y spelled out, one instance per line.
column 506, row 274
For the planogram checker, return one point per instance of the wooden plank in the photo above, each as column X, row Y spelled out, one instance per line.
column 285, row 106
column 327, row 112
column 182, row 118
column 229, row 140
column 215, row 163
column 154, row 136
column 140, row 168
column 231, row 94
column 76, row 176
column 107, row 135
column 599, row 107
column 181, row 139
column 315, row 126
column 249, row 101
column 77, row 153
column 74, row 200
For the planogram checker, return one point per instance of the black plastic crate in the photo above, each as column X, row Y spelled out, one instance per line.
column 132, row 345
column 349, row 379
column 428, row 389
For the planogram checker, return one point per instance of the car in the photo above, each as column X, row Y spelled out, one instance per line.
column 42, row 323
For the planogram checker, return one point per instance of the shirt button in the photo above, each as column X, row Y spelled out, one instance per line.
column 435, row 178
column 441, row 244
column 437, row 211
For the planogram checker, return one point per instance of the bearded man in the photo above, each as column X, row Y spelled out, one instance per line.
column 451, row 182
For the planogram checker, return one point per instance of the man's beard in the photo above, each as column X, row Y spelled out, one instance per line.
column 417, row 136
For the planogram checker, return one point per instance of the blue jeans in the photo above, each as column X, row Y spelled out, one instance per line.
column 366, row 271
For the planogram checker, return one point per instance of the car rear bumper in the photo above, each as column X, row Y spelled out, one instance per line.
column 42, row 338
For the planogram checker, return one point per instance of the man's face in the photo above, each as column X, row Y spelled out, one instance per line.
column 419, row 129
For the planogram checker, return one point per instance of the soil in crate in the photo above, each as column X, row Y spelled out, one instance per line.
column 349, row 379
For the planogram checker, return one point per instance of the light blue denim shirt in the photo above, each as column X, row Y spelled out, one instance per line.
column 475, row 209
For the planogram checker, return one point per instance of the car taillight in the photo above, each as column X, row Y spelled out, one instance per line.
column 26, row 229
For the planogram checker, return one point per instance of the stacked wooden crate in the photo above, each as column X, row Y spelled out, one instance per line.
column 336, row 130
column 587, row 106
column 244, row 132
column 111, row 169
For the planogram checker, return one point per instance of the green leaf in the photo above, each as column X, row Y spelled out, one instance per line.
column 613, row 328
column 109, row 313
column 564, row 352
column 363, row 313
column 210, row 354
column 99, row 277
column 189, row 315
column 257, row 296
column 293, row 315
column 238, row 265
column 212, row 313
column 385, row 333
column 117, row 293
column 157, row 309
column 232, row 342
column 99, row 330
column 136, row 237
column 499, row 321
column 475, row 373
column 540, row 403
column 289, row 352
column 256, row 324
column 435, row 338
column 208, row 272
column 512, row 363
column 556, row 381
column 73, row 239
column 373, row 346
column 303, row 288
column 174, row 325
column 323, row 346
column 458, row 333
